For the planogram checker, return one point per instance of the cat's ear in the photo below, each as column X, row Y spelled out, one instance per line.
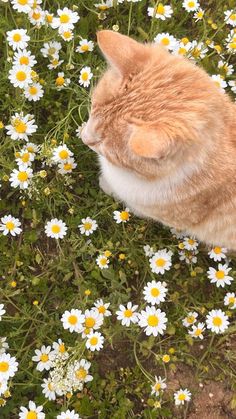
column 152, row 142
column 122, row 52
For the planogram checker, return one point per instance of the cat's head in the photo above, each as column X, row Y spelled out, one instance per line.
column 150, row 109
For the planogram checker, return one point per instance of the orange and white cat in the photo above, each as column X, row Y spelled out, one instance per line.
column 166, row 139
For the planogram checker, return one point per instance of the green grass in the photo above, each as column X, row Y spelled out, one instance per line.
column 56, row 274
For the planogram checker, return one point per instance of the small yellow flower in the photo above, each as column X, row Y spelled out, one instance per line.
column 185, row 41
column 68, row 395
column 171, row 351
column 107, row 253
column 193, row 273
column 5, row 178
column 87, row 292
column 35, row 303
column 1, row 125
column 122, row 256
column 43, row 173
column 23, row 203
column 181, row 246
column 2, row 402
column 166, row 358
column 47, row 191
column 13, row 284
column 157, row 405
column 218, row 48
column 7, row 394
column 214, row 26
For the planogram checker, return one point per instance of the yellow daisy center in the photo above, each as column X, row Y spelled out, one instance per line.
column 128, row 313
column 166, row 358
column 63, row 154
column 51, row 50
column 21, row 75
column 220, row 274
column 87, row 226
column 19, row 126
column 33, row 90
column 60, row 81
column 165, row 41
column 67, row 166
column 182, row 51
column 232, row 45
column 160, row 262
column 124, row 215
column 191, row 4
column 4, row 366
column 64, row 18
column 233, row 17
column 155, row 292
column 24, row 60
column 44, row 357
column 31, row 415
column 50, row 386
column 22, row 176
column 16, row 37
column 84, row 76
column 90, row 322
column 67, row 34
column 217, row 250
column 30, row 149
column 217, row 321
column 81, row 373
column 103, row 261
column 181, row 396
column 157, row 386
column 200, row 14
column 56, row 228
column 22, row 2
column 10, row 225
column 62, row 348
column 191, row 242
column 152, row 320
column 190, row 319
column 72, row 319
column 25, row 157
column 36, row 15
column 84, row 48
column 49, row 18
column 93, row 341
column 103, row 7
column 102, row 309
column 198, row 332
column 160, row 9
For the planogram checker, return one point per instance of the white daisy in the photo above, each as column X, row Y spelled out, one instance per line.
column 69, row 414
column 220, row 276
column 66, row 20
column 67, row 35
column 217, row 253
column 59, row 349
column 51, row 49
column 191, row 5
column 198, row 50
column 148, row 250
column 182, row 396
column 2, row 311
column 24, row 157
column 85, row 46
column 230, row 17
column 31, row 148
column 217, row 321
column 93, row 319
column 105, row 5
column 44, row 357
column 3, row 344
column 48, row 18
column 10, row 225
column 21, row 126
column 55, row 228
column 33, row 92
column 61, row 154
column 102, row 307
column 21, row 177
column 8, row 366
column 121, row 216
column 158, row 386
column 161, row 261
column 23, row 6
column 154, row 320
column 67, row 166
column 166, row 40
column 80, row 371
column 190, row 319
column 197, row 330
column 20, row 76
column 188, row 256
column 18, row 39
column 54, row 63
column 73, row 320
column 230, row 300
column 219, row 82
column 198, row 15
column 190, row 243
column 48, row 389
column 3, row 386
column 87, row 226
column 228, row 69
column 182, row 48
column 231, row 41
column 85, row 76
column 94, row 341
column 37, row 17
column 162, row 11
column 155, row 292
column 127, row 314
column 32, row 412
column 102, row 261
column 24, row 58
column 61, row 81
